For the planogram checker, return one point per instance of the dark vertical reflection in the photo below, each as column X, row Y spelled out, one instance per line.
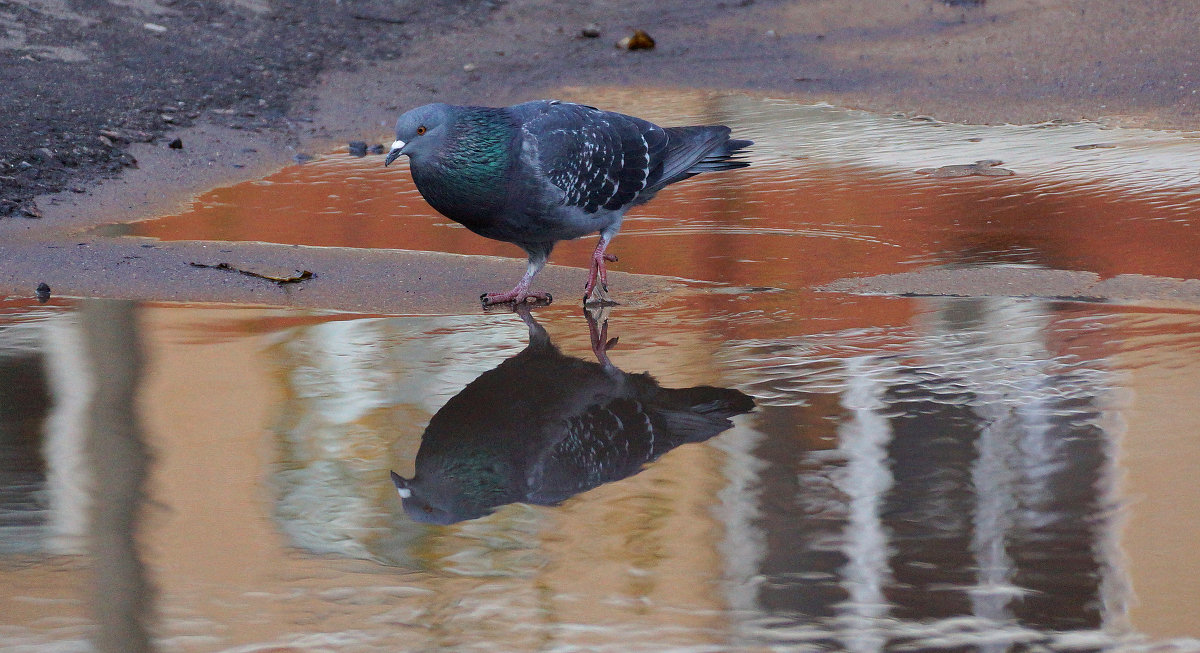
column 929, row 509
column 118, row 460
column 24, row 404
column 794, row 515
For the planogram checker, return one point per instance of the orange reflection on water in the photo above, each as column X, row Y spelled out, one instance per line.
column 789, row 226
column 767, row 226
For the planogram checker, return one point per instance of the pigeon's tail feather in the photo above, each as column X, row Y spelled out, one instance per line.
column 723, row 402
column 693, row 150
column 696, row 414
column 725, row 157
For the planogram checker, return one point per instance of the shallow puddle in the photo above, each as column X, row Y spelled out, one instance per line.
column 975, row 473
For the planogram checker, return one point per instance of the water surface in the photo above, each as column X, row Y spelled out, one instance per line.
column 977, row 473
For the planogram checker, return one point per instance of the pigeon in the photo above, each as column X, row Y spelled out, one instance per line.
column 535, row 173
column 542, row 427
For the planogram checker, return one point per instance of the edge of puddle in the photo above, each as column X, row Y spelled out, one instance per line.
column 380, row 281
column 165, row 181
column 1034, row 283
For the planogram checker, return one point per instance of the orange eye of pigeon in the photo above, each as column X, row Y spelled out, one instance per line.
column 420, row 130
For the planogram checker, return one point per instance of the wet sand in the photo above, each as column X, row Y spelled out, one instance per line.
column 992, row 62
column 372, row 281
column 1067, row 285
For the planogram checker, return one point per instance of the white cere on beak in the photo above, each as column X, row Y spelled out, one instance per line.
column 404, row 492
column 397, row 145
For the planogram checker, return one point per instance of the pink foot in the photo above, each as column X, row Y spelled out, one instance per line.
column 601, row 343
column 598, row 272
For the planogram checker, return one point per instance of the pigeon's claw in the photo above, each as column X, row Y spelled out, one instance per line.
column 597, row 272
column 598, row 335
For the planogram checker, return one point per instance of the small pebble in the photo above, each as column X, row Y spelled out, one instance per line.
column 358, row 148
column 176, row 144
column 43, row 292
column 377, row 149
column 639, row 40
column 590, row 31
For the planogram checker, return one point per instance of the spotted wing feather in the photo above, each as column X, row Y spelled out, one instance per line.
column 597, row 159
column 616, row 436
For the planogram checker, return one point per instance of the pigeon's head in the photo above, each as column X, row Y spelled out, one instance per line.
column 420, row 131
column 420, row 507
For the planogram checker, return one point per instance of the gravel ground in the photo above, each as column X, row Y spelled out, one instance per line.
column 81, row 81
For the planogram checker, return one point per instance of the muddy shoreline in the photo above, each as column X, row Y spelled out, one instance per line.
column 247, row 87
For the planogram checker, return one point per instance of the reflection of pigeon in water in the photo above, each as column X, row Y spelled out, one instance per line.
column 540, row 172
column 543, row 427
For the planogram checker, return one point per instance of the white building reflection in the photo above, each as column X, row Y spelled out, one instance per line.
column 43, row 405
column 73, row 459
column 965, row 498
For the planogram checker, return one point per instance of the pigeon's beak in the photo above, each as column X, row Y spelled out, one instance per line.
column 396, row 151
column 401, row 483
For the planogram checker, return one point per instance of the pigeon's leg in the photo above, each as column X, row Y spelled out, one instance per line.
column 597, row 271
column 538, row 337
column 520, row 292
column 598, row 334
